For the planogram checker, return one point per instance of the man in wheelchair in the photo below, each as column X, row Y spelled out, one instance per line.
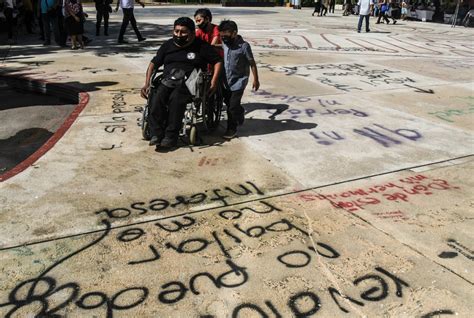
column 179, row 55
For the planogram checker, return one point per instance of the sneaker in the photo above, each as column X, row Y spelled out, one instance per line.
column 230, row 133
column 155, row 140
column 169, row 142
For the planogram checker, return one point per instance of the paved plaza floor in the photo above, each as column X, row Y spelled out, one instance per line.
column 348, row 192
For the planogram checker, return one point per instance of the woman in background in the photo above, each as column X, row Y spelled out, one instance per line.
column 75, row 22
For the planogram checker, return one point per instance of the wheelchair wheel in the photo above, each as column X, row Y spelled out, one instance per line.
column 146, row 134
column 193, row 135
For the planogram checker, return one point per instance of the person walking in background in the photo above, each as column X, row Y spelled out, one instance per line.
column 74, row 22
column 347, row 8
column 384, row 12
column 103, row 9
column 324, row 7
column 8, row 11
column 49, row 15
column 404, row 10
column 317, row 7
column 128, row 17
column 365, row 10
column 332, row 6
column 27, row 10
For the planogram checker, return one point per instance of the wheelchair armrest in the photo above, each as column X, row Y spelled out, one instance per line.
column 156, row 77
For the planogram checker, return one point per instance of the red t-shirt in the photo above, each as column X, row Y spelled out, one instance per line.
column 209, row 36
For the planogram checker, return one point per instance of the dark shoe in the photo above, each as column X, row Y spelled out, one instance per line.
column 230, row 133
column 45, row 43
column 169, row 142
column 394, row 21
column 87, row 41
column 358, row 31
column 122, row 42
column 141, row 39
column 154, row 141
column 367, row 31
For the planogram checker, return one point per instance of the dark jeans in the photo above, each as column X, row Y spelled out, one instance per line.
column 362, row 17
column 61, row 26
column 51, row 20
column 235, row 111
column 29, row 20
column 128, row 17
column 103, row 13
column 332, row 6
column 317, row 7
column 384, row 16
column 324, row 10
column 10, row 21
column 167, row 110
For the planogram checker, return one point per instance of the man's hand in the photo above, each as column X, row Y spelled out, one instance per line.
column 256, row 85
column 212, row 88
column 144, row 91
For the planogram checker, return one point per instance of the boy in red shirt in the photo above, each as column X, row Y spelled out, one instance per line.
column 208, row 31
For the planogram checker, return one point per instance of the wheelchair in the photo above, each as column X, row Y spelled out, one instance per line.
column 202, row 111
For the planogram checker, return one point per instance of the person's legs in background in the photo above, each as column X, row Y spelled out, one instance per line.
column 126, row 19
column 133, row 22
column 98, row 21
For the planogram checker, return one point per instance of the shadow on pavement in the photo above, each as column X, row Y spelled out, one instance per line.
column 23, row 144
column 256, row 127
column 277, row 108
column 30, row 46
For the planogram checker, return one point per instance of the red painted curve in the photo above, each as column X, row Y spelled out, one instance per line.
column 83, row 100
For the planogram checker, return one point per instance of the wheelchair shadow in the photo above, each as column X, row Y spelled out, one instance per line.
column 278, row 108
column 258, row 127
column 254, row 126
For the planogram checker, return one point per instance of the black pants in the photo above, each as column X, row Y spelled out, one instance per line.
column 235, row 111
column 324, row 10
column 384, row 16
column 29, row 20
column 128, row 16
column 332, row 6
column 10, row 21
column 317, row 7
column 61, row 26
column 167, row 110
column 51, row 19
column 102, row 13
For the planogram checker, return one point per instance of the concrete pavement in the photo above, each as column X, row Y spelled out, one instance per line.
column 349, row 191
